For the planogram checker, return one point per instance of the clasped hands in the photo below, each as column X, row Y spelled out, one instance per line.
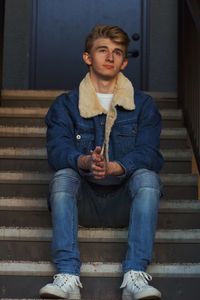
column 95, row 163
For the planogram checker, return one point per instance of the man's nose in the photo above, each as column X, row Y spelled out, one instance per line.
column 110, row 56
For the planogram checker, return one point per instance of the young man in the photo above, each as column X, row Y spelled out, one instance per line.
column 103, row 142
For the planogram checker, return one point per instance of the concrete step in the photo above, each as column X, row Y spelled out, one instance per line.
column 162, row 103
column 173, row 214
column 35, row 184
column 177, row 160
column 105, row 245
column 34, row 159
column 32, row 98
column 100, row 235
column 40, row 204
column 100, row 280
column 23, row 116
column 11, row 136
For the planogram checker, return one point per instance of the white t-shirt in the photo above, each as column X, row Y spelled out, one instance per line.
column 105, row 100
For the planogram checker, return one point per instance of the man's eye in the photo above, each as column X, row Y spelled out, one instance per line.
column 102, row 50
column 118, row 53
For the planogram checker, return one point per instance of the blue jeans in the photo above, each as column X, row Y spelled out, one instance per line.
column 144, row 195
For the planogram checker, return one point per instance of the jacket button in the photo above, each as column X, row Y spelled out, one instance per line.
column 78, row 137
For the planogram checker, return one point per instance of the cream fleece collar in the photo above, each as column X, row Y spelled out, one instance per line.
column 89, row 105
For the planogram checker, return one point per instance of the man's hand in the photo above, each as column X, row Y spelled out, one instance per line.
column 113, row 168
column 96, row 164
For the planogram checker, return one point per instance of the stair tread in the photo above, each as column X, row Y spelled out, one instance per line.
column 98, row 235
column 23, row 203
column 44, row 177
column 179, row 132
column 39, row 112
column 40, row 153
column 51, row 94
column 95, row 269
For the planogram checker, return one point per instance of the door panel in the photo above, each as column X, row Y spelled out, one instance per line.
column 60, row 30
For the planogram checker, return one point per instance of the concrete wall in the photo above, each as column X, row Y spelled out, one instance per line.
column 17, row 44
column 163, row 44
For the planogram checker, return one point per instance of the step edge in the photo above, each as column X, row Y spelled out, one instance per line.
column 97, row 269
column 98, row 235
column 28, row 204
column 44, row 178
column 40, row 112
column 10, row 93
column 41, row 153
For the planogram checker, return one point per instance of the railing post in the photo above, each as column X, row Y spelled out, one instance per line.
column 180, row 53
column 2, row 14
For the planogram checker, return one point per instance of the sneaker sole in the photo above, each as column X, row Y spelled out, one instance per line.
column 51, row 296
column 58, row 295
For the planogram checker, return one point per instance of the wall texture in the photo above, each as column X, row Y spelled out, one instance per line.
column 163, row 44
column 17, row 44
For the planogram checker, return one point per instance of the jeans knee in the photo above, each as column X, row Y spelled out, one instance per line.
column 65, row 180
column 144, row 179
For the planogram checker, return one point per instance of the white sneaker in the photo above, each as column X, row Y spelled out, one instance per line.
column 65, row 286
column 135, row 286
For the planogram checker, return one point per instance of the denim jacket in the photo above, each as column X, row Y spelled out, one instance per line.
column 134, row 135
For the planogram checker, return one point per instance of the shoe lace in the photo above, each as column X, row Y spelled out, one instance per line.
column 66, row 281
column 135, row 279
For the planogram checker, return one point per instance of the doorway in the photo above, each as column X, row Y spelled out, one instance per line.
column 59, row 31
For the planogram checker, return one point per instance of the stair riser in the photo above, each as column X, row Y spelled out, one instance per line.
column 180, row 192
column 42, row 165
column 30, row 121
column 100, row 288
column 39, row 122
column 22, row 141
column 43, row 219
column 24, row 165
column 33, row 103
column 104, row 252
column 41, row 190
column 167, row 104
column 46, row 103
column 172, row 143
column 177, row 167
column 172, row 123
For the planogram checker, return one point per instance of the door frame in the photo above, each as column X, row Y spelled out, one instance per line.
column 145, row 44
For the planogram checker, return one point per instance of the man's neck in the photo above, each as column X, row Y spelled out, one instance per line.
column 103, row 86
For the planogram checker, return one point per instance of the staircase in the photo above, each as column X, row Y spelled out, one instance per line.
column 25, row 225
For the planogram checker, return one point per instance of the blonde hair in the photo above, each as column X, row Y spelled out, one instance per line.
column 115, row 33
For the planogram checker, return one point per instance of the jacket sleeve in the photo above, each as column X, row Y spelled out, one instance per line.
column 61, row 148
column 146, row 152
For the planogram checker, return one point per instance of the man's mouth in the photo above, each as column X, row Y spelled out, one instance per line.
column 109, row 67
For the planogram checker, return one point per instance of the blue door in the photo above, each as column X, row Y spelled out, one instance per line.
column 60, row 28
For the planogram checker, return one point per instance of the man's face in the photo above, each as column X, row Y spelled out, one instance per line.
column 106, row 59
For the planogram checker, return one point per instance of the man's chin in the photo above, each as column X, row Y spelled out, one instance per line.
column 107, row 77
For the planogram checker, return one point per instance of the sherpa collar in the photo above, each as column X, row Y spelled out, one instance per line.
column 89, row 105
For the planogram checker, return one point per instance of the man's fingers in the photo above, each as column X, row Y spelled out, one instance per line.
column 96, row 168
column 97, row 150
column 99, row 175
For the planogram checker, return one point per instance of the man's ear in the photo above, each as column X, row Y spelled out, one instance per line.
column 87, row 58
column 124, row 64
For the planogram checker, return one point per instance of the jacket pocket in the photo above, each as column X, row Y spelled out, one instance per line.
column 125, row 139
column 84, row 139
